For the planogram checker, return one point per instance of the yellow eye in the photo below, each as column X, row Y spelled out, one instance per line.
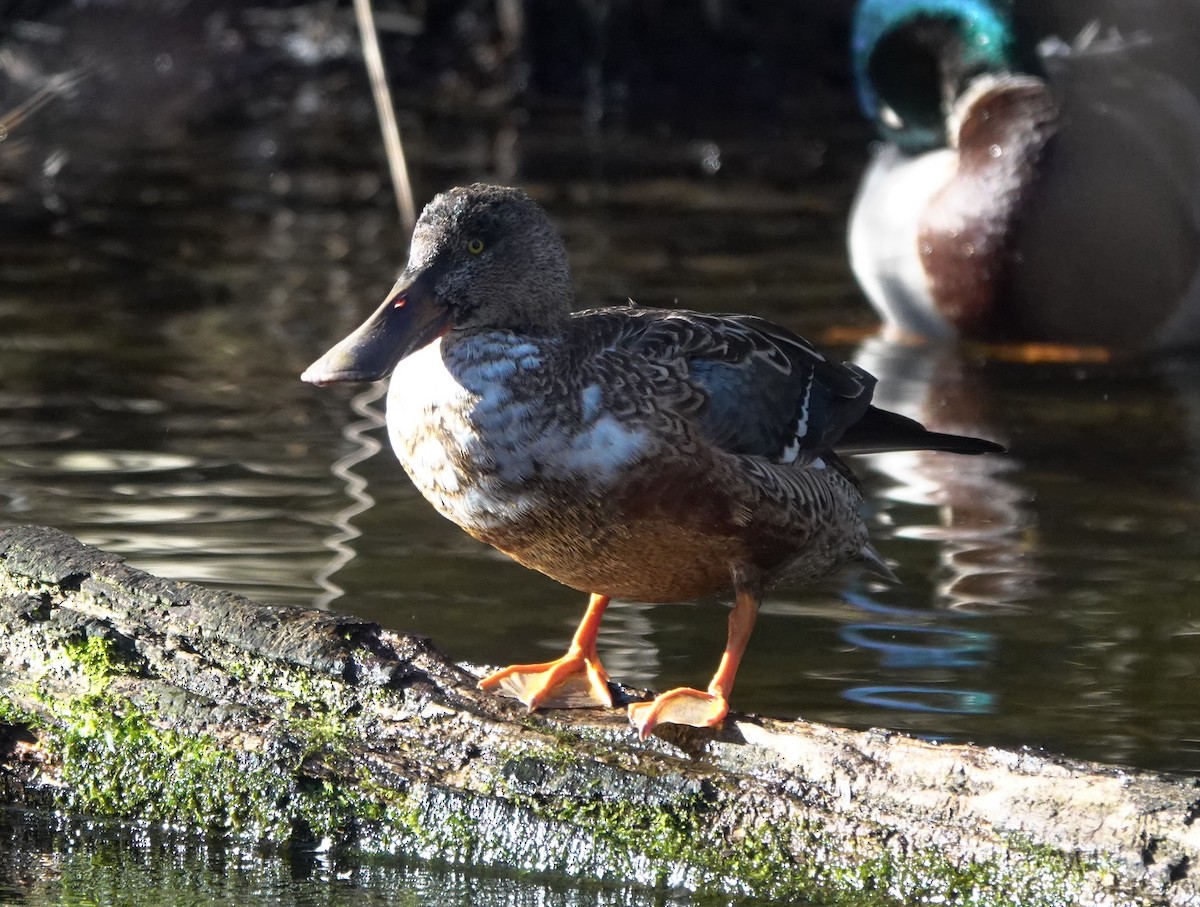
column 475, row 246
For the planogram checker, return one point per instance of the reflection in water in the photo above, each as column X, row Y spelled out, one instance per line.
column 1182, row 374
column 982, row 533
column 627, row 638
column 205, row 509
column 916, row 698
column 921, row 647
column 121, row 461
column 47, row 860
column 912, row 640
column 985, row 524
column 363, row 446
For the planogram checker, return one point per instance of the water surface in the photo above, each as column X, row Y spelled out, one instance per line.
column 47, row 860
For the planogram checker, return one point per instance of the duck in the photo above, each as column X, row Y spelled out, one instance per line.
column 1032, row 193
column 646, row 454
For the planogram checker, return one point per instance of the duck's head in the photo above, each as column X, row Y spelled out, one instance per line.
column 914, row 58
column 481, row 257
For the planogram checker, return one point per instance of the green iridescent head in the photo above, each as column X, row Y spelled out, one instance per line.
column 913, row 56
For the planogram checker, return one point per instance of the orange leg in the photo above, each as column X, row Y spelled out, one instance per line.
column 693, row 707
column 577, row 680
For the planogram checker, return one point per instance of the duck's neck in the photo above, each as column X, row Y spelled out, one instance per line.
column 536, row 303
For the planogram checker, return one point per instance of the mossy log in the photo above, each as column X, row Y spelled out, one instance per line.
column 130, row 695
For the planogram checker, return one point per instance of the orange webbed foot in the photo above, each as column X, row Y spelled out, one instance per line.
column 574, row 681
column 679, row 706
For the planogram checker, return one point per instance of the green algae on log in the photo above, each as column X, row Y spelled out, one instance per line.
column 128, row 695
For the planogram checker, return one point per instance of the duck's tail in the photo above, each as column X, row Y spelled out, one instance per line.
column 879, row 431
column 876, row 563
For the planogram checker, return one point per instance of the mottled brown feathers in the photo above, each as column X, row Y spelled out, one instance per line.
column 641, row 453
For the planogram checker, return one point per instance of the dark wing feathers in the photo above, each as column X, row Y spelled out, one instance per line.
column 750, row 411
column 880, row 430
column 764, row 390
column 768, row 392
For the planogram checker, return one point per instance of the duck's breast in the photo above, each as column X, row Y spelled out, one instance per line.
column 883, row 236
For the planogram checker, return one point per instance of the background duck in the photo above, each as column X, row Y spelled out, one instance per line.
column 1047, row 193
column 655, row 455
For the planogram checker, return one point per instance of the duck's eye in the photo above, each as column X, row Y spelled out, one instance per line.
column 475, row 246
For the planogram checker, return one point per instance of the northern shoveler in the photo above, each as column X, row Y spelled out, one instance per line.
column 1047, row 193
column 646, row 454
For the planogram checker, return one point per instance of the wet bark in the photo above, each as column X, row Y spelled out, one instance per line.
column 415, row 758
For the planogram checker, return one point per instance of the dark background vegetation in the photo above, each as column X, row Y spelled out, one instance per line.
column 157, row 71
